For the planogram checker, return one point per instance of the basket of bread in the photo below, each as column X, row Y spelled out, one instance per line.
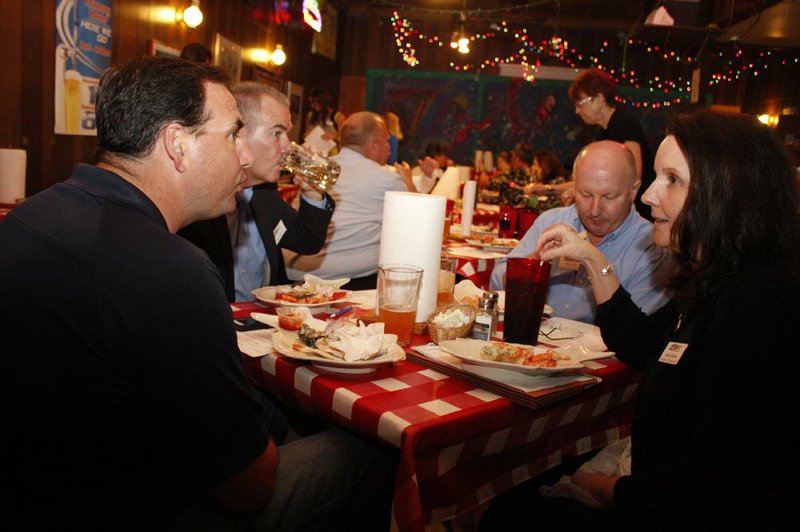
column 450, row 322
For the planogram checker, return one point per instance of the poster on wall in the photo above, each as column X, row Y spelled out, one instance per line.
column 83, row 52
column 324, row 42
column 228, row 55
column 295, row 94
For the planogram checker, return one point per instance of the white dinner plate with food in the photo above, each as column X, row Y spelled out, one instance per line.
column 279, row 296
column 289, row 345
column 494, row 244
column 526, row 359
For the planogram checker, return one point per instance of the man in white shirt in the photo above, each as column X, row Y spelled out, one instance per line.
column 353, row 240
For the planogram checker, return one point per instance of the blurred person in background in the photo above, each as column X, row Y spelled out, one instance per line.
column 197, row 53
column 395, row 135
column 594, row 93
column 353, row 240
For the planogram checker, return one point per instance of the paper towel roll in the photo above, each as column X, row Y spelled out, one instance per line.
column 449, row 184
column 12, row 175
column 468, row 207
column 412, row 234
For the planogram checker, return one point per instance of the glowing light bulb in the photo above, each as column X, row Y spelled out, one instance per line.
column 278, row 56
column 192, row 16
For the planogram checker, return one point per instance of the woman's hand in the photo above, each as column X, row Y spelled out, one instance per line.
column 561, row 240
column 598, row 485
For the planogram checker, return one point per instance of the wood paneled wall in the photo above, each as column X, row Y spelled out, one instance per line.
column 27, row 62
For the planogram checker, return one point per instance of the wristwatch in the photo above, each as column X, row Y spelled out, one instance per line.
column 608, row 269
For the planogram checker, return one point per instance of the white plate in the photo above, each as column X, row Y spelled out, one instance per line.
column 282, row 343
column 498, row 244
column 469, row 351
column 267, row 295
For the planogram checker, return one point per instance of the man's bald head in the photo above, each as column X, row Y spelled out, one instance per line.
column 605, row 186
column 366, row 133
column 606, row 156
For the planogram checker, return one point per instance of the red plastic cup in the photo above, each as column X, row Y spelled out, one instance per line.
column 526, row 219
column 526, row 291
column 507, row 225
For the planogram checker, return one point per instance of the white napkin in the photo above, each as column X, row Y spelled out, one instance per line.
column 361, row 342
column 336, row 283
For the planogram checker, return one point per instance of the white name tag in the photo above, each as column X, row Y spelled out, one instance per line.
column 279, row 231
column 673, row 353
column 566, row 263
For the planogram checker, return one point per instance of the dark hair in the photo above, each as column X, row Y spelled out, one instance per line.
column 196, row 53
column 524, row 152
column 742, row 205
column 592, row 82
column 437, row 148
column 326, row 101
column 551, row 165
column 137, row 99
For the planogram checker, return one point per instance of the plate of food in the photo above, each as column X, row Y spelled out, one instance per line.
column 314, row 292
column 492, row 243
column 348, row 348
column 526, row 359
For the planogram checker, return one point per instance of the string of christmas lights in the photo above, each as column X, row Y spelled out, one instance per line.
column 557, row 48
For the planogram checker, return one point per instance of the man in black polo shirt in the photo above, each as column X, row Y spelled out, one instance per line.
column 123, row 398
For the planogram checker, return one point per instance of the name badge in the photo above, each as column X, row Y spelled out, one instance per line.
column 673, row 353
column 279, row 231
column 566, row 263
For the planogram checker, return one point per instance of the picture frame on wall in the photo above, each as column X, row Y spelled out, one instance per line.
column 228, row 55
column 157, row 48
column 295, row 94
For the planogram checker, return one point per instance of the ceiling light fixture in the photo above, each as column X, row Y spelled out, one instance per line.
column 278, row 56
column 459, row 40
column 192, row 16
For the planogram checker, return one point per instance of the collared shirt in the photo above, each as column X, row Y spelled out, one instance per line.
column 353, row 242
column 250, row 264
column 638, row 263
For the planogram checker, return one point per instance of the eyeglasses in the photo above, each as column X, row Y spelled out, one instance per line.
column 584, row 101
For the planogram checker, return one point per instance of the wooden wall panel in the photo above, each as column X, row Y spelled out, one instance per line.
column 11, row 67
column 27, row 62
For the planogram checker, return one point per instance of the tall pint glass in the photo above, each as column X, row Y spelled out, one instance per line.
column 317, row 170
column 398, row 293
column 526, row 290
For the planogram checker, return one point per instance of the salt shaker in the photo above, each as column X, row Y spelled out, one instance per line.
column 486, row 318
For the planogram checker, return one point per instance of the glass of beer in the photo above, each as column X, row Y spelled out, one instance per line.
column 398, row 293
column 527, row 280
column 317, row 170
column 447, row 280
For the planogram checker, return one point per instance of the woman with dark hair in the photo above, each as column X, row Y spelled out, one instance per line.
column 713, row 441
column 547, row 168
column 324, row 115
column 594, row 93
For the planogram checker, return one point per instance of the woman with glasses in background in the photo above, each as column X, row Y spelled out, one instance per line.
column 594, row 93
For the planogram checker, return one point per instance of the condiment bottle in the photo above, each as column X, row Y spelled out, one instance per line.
column 486, row 318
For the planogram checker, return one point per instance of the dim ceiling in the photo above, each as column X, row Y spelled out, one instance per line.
column 751, row 22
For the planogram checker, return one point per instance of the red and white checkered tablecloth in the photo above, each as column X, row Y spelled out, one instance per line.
column 479, row 271
column 460, row 446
